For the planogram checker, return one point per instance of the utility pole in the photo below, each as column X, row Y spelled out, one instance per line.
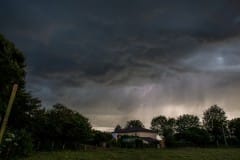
column 8, row 111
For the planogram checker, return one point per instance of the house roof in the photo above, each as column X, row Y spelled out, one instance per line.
column 129, row 130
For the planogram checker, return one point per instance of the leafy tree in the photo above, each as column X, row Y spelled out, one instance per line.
column 23, row 107
column 12, row 70
column 41, row 129
column 234, row 126
column 159, row 124
column 186, row 121
column 134, row 124
column 171, row 123
column 101, row 137
column 215, row 121
column 59, row 128
column 166, row 127
column 117, row 128
column 162, row 125
column 66, row 127
column 194, row 136
column 169, row 131
column 16, row 143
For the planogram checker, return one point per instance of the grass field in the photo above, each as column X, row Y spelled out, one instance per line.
column 141, row 154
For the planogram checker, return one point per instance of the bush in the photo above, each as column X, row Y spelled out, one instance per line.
column 130, row 142
column 101, row 139
column 194, row 136
column 16, row 144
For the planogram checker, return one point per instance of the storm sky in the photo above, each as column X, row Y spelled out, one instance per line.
column 116, row 60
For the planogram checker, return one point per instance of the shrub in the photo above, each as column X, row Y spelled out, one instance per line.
column 194, row 136
column 16, row 144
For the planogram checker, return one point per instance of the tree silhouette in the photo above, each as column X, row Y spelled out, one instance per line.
column 117, row 128
column 234, row 126
column 159, row 124
column 187, row 121
column 215, row 121
column 134, row 124
column 12, row 70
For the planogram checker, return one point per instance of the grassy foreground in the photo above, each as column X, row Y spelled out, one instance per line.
column 141, row 154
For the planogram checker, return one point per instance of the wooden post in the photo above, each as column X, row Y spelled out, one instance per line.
column 8, row 110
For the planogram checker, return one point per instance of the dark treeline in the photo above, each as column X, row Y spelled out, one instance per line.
column 59, row 128
column 32, row 127
column 187, row 130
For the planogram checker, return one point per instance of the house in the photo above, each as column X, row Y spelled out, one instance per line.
column 146, row 135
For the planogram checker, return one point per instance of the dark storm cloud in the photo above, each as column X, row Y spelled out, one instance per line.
column 122, row 58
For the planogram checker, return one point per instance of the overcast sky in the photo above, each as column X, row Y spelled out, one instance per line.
column 116, row 60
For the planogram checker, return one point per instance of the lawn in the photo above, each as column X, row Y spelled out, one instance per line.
column 141, row 154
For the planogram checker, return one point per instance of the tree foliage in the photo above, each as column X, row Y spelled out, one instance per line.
column 12, row 66
column 99, row 138
column 134, row 124
column 60, row 128
column 194, row 136
column 159, row 123
column 12, row 70
column 117, row 128
column 163, row 125
column 215, row 121
column 16, row 143
column 166, row 127
column 234, row 127
column 187, row 121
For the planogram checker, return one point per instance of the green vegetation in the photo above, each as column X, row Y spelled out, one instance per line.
column 141, row 154
column 17, row 140
column 215, row 121
column 60, row 128
column 186, row 122
column 166, row 127
column 134, row 124
column 234, row 127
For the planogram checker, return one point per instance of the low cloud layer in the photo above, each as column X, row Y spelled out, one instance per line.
column 114, row 61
